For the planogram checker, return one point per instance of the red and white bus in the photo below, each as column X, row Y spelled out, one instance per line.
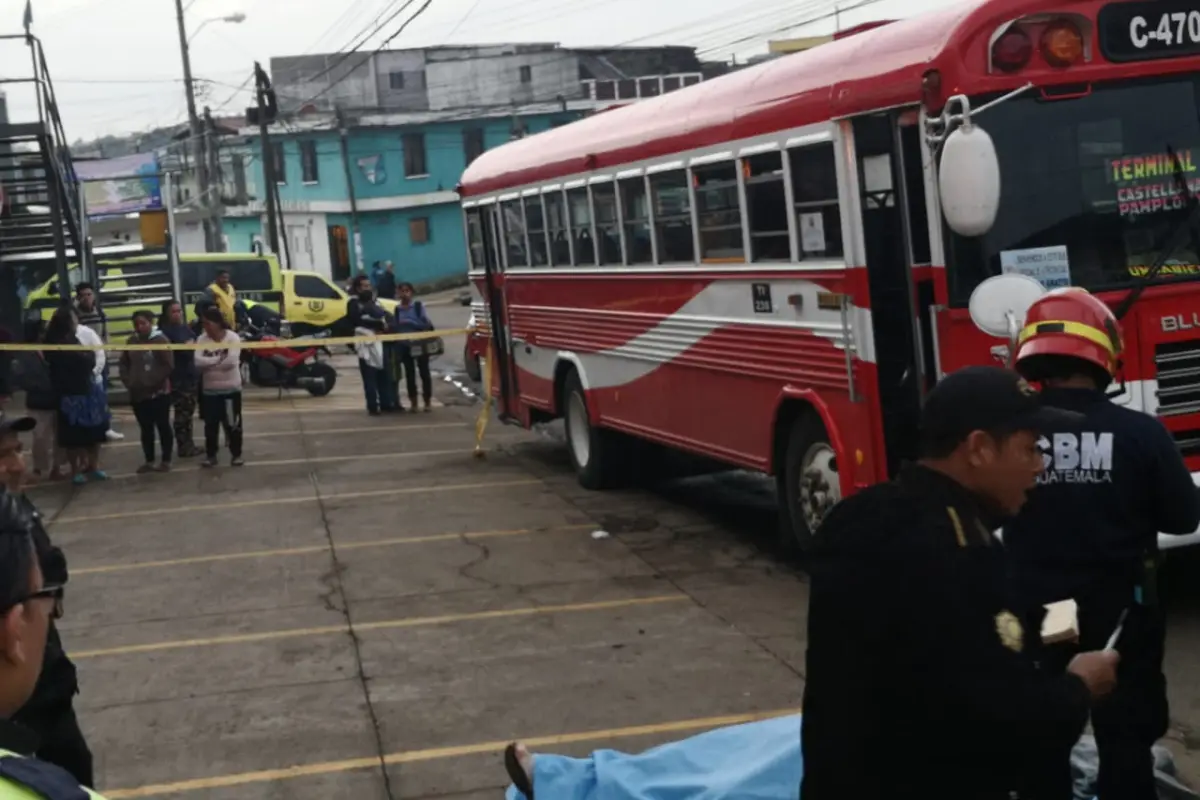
column 770, row 269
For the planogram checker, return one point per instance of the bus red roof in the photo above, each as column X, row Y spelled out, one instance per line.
column 876, row 68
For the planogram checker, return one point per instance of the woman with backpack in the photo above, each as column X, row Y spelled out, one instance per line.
column 411, row 318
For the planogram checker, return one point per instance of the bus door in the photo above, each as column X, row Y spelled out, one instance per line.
column 504, row 373
column 892, row 198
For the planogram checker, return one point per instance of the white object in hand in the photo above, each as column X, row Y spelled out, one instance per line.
column 1061, row 623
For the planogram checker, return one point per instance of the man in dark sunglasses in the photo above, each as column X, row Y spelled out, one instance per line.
column 28, row 606
column 50, row 711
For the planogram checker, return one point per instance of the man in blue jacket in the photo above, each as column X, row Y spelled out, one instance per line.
column 1112, row 481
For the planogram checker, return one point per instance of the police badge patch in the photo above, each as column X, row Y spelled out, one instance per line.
column 1012, row 635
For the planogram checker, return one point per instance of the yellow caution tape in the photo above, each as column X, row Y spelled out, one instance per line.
column 260, row 345
column 482, row 420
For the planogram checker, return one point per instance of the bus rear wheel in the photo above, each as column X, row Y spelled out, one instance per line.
column 809, row 483
column 594, row 451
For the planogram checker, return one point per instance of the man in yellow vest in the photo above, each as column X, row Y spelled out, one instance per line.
column 221, row 293
column 27, row 605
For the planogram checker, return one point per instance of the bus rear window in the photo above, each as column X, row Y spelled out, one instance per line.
column 1090, row 193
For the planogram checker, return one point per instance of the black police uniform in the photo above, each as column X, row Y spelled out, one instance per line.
column 50, row 712
column 917, row 683
column 1089, row 532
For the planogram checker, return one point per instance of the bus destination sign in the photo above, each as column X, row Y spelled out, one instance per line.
column 1142, row 31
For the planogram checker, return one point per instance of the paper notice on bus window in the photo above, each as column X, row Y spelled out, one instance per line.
column 812, row 233
column 1050, row 266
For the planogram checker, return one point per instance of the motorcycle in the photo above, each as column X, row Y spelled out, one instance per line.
column 286, row 367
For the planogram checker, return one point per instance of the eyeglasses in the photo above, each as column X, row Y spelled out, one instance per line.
column 54, row 593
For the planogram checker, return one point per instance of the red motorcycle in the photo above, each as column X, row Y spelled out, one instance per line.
column 286, row 367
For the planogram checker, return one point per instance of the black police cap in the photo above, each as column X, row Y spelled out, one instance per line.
column 988, row 399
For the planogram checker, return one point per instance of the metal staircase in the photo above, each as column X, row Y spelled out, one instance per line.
column 42, row 228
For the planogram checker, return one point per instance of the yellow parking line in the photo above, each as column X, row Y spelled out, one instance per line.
column 285, row 462
column 411, row 622
column 437, row 753
column 325, row 432
column 279, row 501
column 299, row 551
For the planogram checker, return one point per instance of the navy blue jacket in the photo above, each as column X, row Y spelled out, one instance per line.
column 1113, row 481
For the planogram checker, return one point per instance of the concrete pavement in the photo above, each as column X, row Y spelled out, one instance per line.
column 366, row 610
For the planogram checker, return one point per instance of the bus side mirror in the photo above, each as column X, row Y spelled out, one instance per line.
column 969, row 180
column 1000, row 304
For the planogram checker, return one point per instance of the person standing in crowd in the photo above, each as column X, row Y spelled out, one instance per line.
column 222, row 294
column 49, row 711
column 88, row 311
column 411, row 318
column 31, row 374
column 147, row 376
column 1113, row 480
column 384, row 279
column 183, row 377
column 913, row 654
column 220, row 388
column 368, row 318
column 89, row 314
column 83, row 407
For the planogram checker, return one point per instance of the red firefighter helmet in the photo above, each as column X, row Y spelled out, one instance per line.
column 1070, row 322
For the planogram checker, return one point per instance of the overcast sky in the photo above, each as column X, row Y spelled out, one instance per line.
column 116, row 65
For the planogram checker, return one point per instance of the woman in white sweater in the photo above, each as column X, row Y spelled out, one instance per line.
column 220, row 387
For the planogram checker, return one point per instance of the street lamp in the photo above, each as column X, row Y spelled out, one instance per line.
column 234, row 19
column 211, row 238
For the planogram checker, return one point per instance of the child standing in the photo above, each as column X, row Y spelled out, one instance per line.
column 221, row 387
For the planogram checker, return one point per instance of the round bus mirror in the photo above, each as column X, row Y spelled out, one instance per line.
column 998, row 305
column 969, row 181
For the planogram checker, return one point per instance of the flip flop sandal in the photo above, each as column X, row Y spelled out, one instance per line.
column 516, row 773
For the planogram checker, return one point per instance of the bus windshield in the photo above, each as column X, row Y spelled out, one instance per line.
column 1089, row 191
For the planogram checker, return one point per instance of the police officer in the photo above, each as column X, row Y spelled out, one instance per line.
column 1112, row 481
column 50, row 711
column 917, row 681
column 28, row 604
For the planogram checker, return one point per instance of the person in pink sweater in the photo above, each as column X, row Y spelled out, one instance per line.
column 220, row 387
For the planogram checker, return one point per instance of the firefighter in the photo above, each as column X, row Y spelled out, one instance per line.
column 915, row 660
column 1089, row 532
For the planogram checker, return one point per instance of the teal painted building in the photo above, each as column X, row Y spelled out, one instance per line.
column 403, row 169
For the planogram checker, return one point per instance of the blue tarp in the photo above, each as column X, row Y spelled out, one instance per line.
column 755, row 761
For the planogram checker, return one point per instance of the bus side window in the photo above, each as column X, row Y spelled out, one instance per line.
column 535, row 224
column 636, row 214
column 718, row 212
column 766, row 208
column 475, row 238
column 672, row 217
column 608, row 237
column 556, row 227
column 580, row 210
column 815, row 201
column 512, row 214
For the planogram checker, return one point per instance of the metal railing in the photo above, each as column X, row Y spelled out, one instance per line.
column 61, row 178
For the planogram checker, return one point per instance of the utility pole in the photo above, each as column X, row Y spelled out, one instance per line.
column 265, row 114
column 197, row 135
column 356, row 231
column 216, row 204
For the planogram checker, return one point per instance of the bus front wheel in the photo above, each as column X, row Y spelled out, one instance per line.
column 594, row 451
column 809, row 483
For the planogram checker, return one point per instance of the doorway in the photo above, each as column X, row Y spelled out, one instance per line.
column 896, row 239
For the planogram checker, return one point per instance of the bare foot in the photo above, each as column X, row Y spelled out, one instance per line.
column 526, row 760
